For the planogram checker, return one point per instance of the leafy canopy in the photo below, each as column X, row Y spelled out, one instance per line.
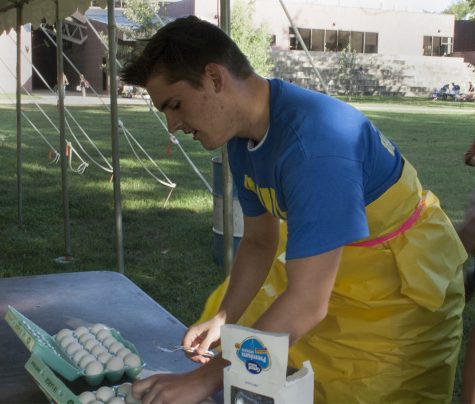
column 253, row 42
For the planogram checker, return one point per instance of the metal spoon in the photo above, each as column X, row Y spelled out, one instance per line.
column 175, row 348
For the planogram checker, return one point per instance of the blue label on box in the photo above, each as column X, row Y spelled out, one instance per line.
column 254, row 354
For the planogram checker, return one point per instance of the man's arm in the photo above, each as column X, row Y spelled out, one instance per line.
column 300, row 308
column 305, row 301
column 251, row 266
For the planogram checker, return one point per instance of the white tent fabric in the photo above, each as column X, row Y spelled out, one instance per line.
column 39, row 11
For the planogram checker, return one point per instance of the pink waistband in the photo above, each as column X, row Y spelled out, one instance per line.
column 405, row 226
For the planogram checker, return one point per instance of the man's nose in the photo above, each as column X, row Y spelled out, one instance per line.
column 173, row 123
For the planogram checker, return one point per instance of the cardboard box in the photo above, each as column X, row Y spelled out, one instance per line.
column 258, row 370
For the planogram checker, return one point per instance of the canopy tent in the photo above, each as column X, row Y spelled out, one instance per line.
column 14, row 14
column 36, row 12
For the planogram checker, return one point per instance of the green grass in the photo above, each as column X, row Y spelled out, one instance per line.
column 168, row 249
column 411, row 101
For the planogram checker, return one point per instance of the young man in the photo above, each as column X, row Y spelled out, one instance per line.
column 371, row 286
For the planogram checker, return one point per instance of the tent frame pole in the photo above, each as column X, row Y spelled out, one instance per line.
column 112, row 35
column 62, row 139
column 228, row 225
column 19, row 157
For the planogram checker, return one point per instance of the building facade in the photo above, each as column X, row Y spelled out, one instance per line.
column 333, row 28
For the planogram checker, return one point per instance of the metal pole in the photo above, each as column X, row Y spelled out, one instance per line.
column 304, row 47
column 18, row 116
column 62, row 139
column 228, row 225
column 112, row 29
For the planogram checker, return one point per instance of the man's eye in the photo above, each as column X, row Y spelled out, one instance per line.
column 176, row 106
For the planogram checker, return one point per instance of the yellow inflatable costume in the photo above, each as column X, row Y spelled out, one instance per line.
column 394, row 325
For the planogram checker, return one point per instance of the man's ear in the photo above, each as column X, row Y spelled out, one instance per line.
column 214, row 73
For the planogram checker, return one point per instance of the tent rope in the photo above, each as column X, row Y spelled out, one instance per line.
column 109, row 169
column 172, row 138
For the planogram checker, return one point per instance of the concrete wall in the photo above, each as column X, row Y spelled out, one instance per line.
column 375, row 74
column 8, row 64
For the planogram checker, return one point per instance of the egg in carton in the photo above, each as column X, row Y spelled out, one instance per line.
column 99, row 351
column 95, row 352
column 59, row 393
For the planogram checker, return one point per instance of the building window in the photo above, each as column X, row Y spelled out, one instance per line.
column 370, row 42
column 436, row 45
column 318, row 40
column 306, row 35
column 334, row 41
column 331, row 40
column 357, row 41
column 343, row 40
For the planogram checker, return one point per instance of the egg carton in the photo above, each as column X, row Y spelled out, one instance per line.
column 57, row 392
column 47, row 348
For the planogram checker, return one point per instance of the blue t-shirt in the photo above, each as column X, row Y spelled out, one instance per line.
column 320, row 164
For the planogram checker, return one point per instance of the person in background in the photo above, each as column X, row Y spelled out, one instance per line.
column 83, row 84
column 65, row 83
column 342, row 248
column 470, row 89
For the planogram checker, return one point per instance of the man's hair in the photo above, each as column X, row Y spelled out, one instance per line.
column 180, row 51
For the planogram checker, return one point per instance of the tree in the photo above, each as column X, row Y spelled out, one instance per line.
column 146, row 23
column 254, row 42
column 144, row 15
column 462, row 9
column 347, row 69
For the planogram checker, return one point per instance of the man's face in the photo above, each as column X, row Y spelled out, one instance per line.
column 197, row 111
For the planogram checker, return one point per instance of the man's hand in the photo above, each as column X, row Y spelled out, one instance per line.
column 203, row 337
column 187, row 388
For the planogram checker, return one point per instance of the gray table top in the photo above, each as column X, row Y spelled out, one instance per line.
column 69, row 300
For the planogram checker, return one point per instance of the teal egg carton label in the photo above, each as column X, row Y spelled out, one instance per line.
column 49, row 383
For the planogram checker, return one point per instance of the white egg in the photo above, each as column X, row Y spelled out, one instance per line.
column 98, row 349
column 63, row 333
column 123, row 352
column 129, row 399
column 73, row 347
column 109, row 341
column 79, row 355
column 94, row 368
column 97, row 402
column 116, row 347
column 104, row 357
column 86, row 360
column 103, row 334
column 105, row 393
column 114, row 364
column 66, row 341
column 86, row 337
column 90, row 344
column 116, row 400
column 132, row 360
column 97, row 327
column 124, row 389
column 87, row 397
column 80, row 331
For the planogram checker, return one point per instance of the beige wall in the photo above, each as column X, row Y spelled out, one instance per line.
column 400, row 32
column 8, row 61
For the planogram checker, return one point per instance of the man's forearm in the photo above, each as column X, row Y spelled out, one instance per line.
column 250, row 270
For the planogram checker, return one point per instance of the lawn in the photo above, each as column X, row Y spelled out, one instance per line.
column 169, row 248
